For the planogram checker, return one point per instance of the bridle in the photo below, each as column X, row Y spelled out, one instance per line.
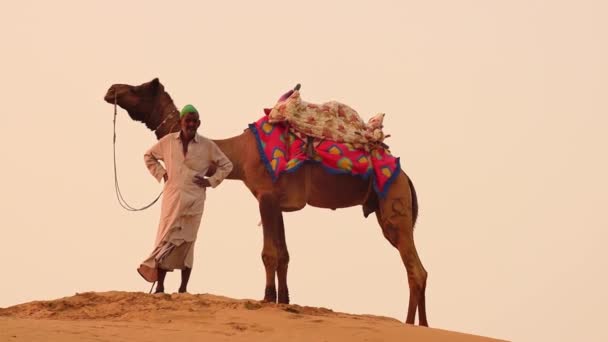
column 123, row 203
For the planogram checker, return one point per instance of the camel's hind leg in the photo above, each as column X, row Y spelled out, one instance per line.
column 396, row 219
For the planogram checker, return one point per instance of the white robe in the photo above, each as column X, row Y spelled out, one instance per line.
column 183, row 201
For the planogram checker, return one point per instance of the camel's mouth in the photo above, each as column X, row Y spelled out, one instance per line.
column 115, row 90
column 109, row 98
column 110, row 95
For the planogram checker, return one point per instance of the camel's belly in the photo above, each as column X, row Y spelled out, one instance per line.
column 314, row 186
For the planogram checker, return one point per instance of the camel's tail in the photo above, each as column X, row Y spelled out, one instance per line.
column 414, row 201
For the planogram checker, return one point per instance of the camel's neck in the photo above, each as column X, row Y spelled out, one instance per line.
column 169, row 116
column 233, row 149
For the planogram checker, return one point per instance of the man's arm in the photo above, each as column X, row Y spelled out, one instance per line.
column 224, row 166
column 151, row 158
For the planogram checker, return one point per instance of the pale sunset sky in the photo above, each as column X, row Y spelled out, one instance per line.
column 497, row 109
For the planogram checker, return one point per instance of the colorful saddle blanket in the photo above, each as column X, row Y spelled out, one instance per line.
column 282, row 151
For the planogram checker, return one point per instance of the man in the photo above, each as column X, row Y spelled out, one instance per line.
column 187, row 157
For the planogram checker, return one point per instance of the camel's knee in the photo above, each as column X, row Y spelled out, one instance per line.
column 417, row 280
column 424, row 277
column 270, row 260
column 283, row 258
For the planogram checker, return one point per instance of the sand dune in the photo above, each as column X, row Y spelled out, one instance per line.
column 126, row 316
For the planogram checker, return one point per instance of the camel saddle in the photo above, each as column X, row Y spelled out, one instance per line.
column 333, row 121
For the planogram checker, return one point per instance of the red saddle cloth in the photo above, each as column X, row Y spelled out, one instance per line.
column 282, row 151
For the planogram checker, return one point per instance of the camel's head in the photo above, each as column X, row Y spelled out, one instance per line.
column 376, row 121
column 148, row 103
column 139, row 100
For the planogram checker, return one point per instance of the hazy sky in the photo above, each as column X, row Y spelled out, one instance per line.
column 497, row 109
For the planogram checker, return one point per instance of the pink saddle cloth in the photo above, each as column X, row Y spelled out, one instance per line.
column 283, row 151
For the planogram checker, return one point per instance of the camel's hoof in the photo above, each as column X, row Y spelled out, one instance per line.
column 283, row 297
column 270, row 295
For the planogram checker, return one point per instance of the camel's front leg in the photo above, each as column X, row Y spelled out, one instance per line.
column 283, row 262
column 270, row 212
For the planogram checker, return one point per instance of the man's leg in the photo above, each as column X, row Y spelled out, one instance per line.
column 160, row 286
column 183, row 288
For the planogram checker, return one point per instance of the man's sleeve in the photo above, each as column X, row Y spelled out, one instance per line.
column 224, row 166
column 152, row 157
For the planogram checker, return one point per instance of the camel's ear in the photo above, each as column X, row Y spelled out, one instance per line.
column 155, row 82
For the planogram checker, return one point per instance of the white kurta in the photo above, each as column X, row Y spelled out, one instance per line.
column 183, row 201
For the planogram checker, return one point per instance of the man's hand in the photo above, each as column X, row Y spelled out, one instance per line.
column 166, row 177
column 201, row 181
column 211, row 170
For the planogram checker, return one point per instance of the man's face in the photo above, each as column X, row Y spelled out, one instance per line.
column 189, row 124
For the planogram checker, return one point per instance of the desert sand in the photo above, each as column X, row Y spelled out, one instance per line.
column 128, row 316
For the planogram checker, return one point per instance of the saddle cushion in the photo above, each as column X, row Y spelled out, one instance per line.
column 332, row 120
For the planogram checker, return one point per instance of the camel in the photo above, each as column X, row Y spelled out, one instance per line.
column 310, row 185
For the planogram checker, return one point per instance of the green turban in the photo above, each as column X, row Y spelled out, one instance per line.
column 187, row 109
